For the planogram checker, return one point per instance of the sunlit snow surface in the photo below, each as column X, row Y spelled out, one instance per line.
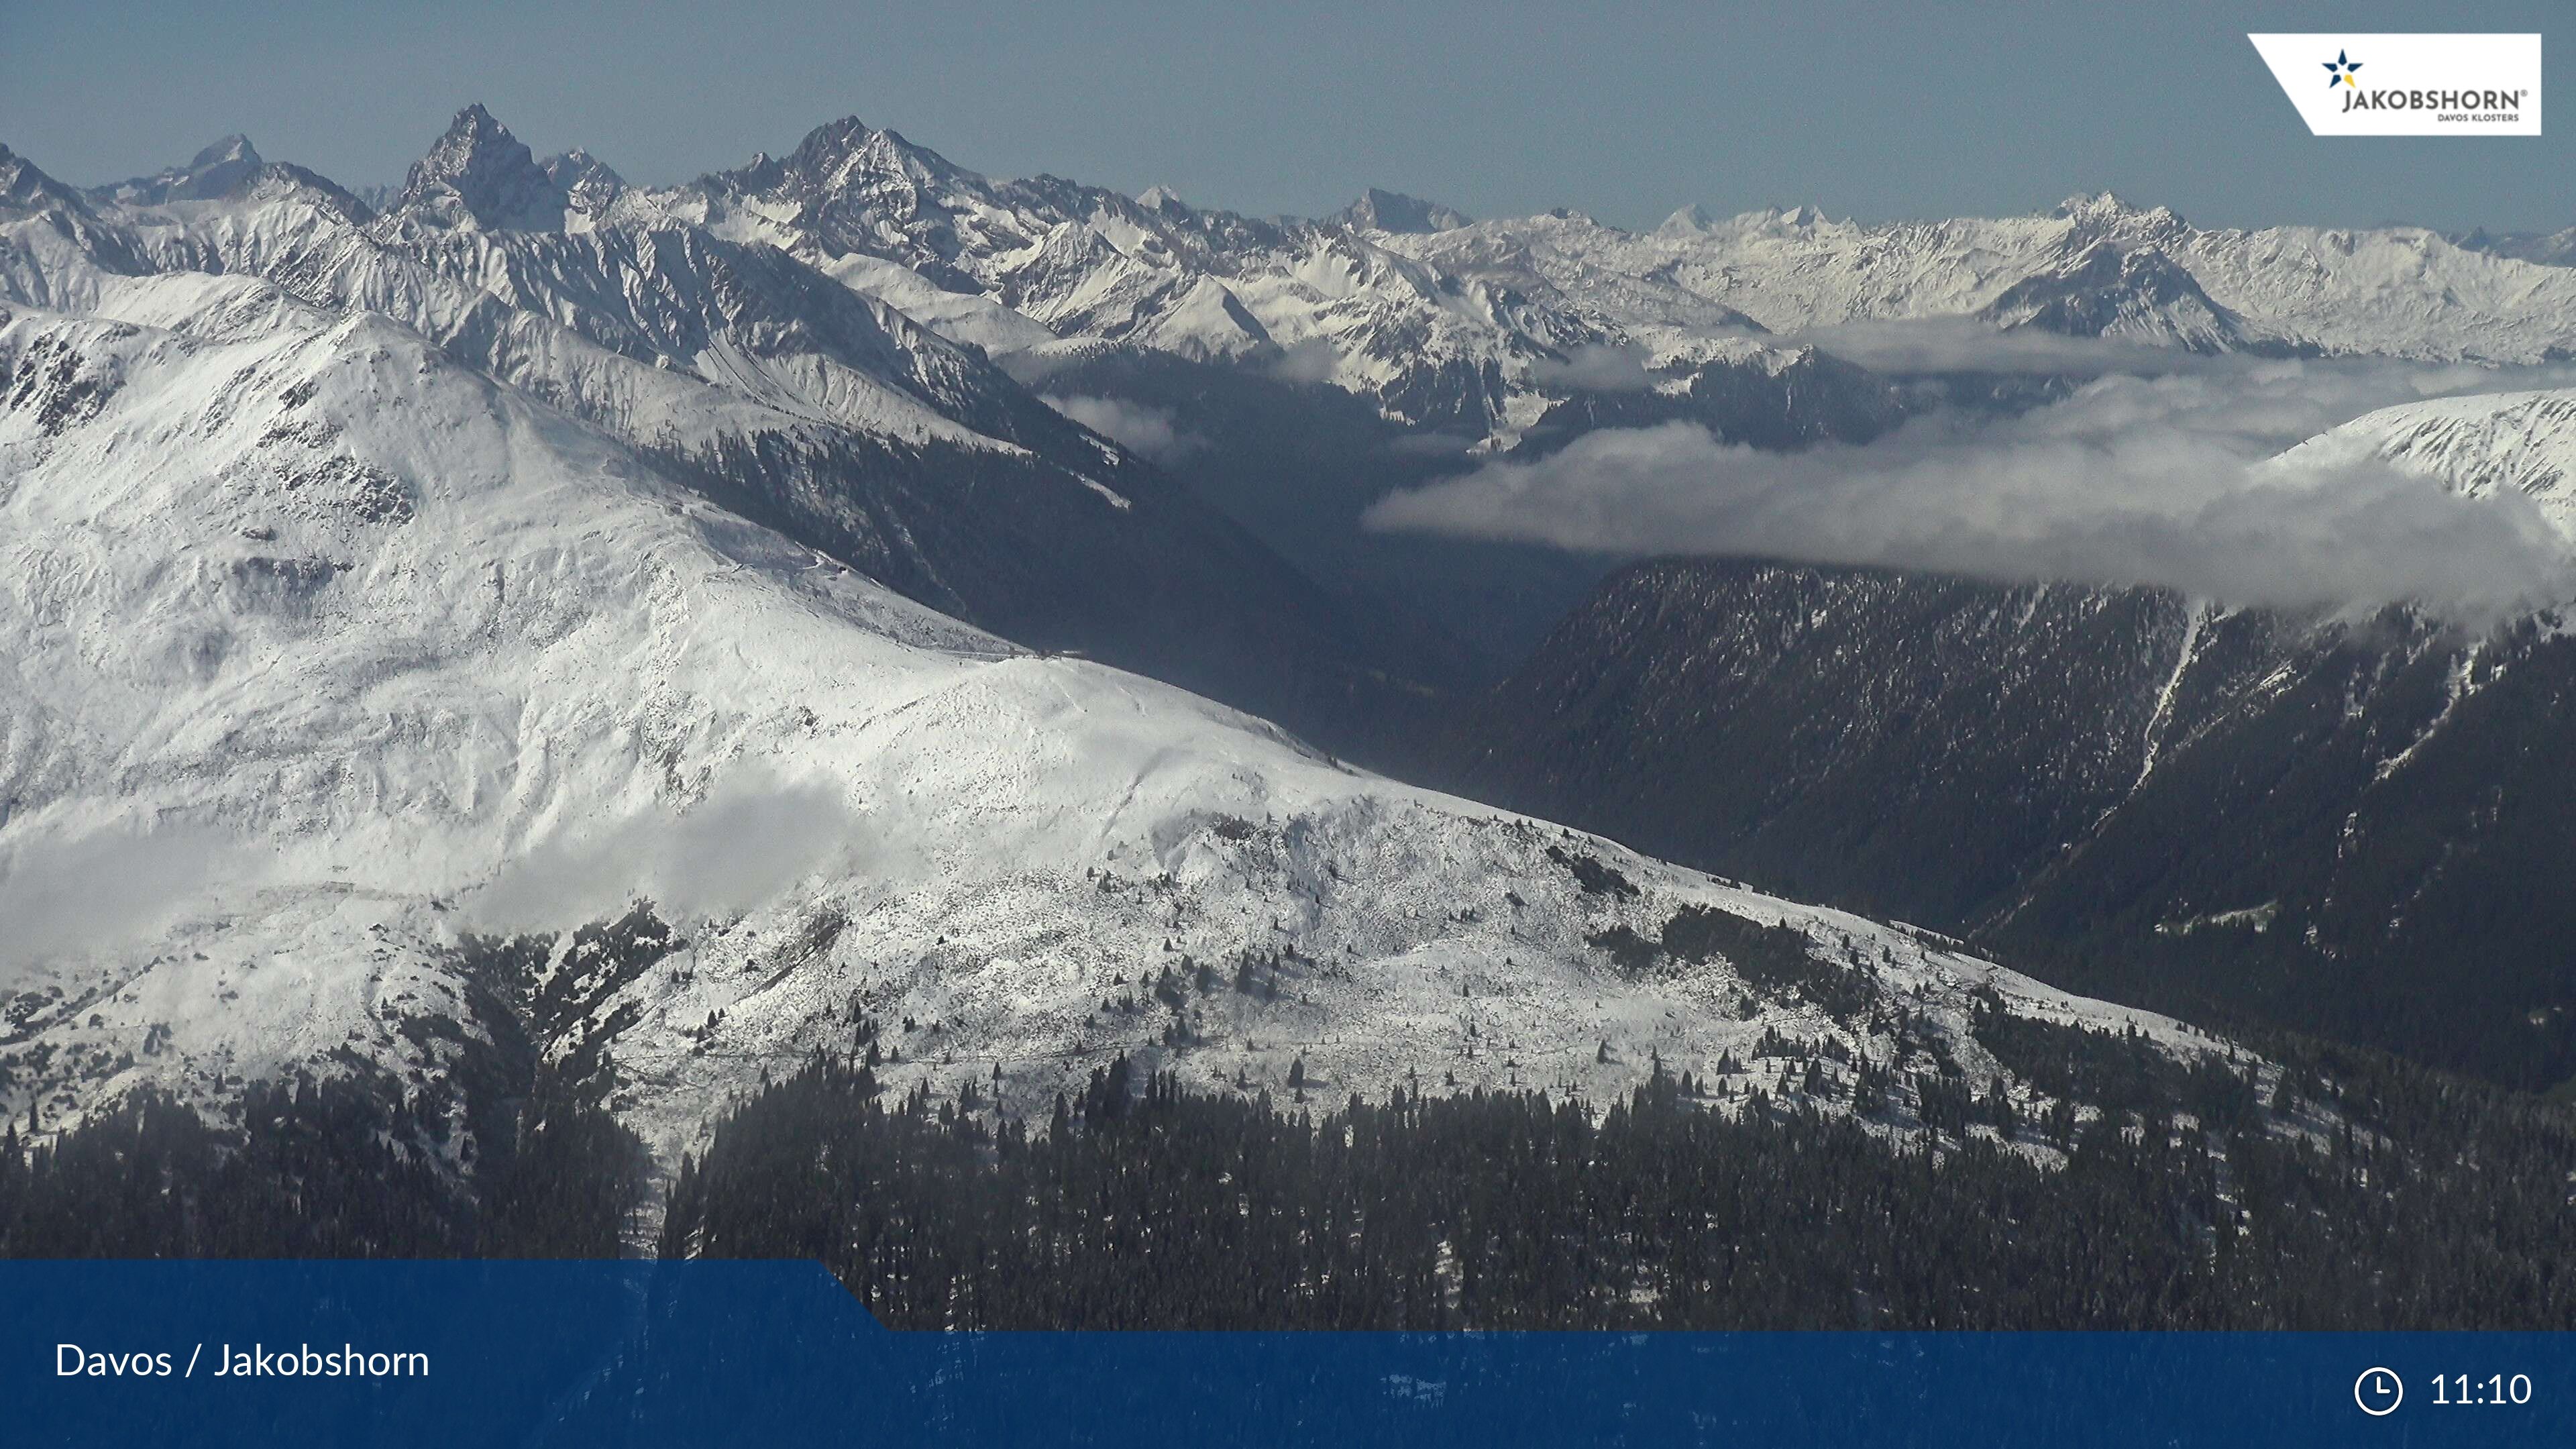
column 2518, row 442
column 319, row 650
column 348, row 606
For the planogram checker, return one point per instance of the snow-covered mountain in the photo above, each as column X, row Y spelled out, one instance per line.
column 1445, row 323
column 2521, row 442
column 1324, row 301
column 2094, row 266
column 2345, row 824
column 2354, row 828
column 377, row 576
column 1396, row 212
column 211, row 174
column 1480, row 328
column 788, row 397
column 325, row 650
column 2552, row 248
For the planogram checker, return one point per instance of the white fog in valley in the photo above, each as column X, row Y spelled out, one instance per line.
column 2180, row 480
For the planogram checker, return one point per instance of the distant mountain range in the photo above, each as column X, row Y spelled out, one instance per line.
column 380, row 572
column 1444, row 322
column 1465, row 339
column 527, row 556
column 800, row 402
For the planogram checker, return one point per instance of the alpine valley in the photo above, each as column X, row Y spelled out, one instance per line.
column 520, row 625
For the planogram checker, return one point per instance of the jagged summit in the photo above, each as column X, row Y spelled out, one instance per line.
column 23, row 185
column 1436, row 321
column 2083, row 202
column 2549, row 249
column 1393, row 211
column 1688, row 221
column 2137, row 293
column 2108, row 207
column 588, row 183
column 212, row 173
column 848, row 151
column 1776, row 221
column 478, row 174
column 235, row 147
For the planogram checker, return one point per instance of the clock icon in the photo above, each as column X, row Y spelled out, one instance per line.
column 2379, row 1392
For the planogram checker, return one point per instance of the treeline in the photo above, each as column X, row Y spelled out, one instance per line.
column 2336, row 1189
column 338, row 1167
column 1145, row 1205
column 511, row 1152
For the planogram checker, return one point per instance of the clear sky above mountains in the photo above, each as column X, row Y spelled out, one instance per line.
column 1862, row 107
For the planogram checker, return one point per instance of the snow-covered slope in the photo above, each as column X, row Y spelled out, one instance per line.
column 322, row 650
column 772, row 389
column 1324, row 301
column 1377, row 210
column 2552, row 249
column 1450, row 324
column 1443, row 324
column 371, row 580
column 2523, row 442
column 211, row 173
column 2095, row 266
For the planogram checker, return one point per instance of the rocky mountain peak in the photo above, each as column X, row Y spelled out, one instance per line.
column 24, row 185
column 1393, row 211
column 1689, row 221
column 214, row 172
column 850, row 153
column 587, row 182
column 478, row 174
column 2106, row 209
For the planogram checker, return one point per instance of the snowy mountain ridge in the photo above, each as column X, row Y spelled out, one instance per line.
column 2482, row 443
column 326, row 650
column 1468, row 326
column 807, row 405
column 1467, row 333
column 2093, row 266
column 373, row 581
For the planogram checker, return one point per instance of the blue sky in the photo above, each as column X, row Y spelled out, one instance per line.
column 1626, row 111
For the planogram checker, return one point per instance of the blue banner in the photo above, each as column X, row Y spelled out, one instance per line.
column 536, row 1353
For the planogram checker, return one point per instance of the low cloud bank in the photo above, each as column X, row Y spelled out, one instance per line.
column 1313, row 360
column 1916, row 345
column 1148, row 432
column 60, row 895
column 2167, row 480
column 751, row 838
column 1596, row 367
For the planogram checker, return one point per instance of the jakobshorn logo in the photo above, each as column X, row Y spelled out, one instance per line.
column 2418, row 85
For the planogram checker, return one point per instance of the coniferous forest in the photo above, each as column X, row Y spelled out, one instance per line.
column 2354, row 1191
column 1147, row 1205
column 316, row 1168
column 512, row 1152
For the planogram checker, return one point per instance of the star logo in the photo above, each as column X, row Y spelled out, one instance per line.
column 2339, row 72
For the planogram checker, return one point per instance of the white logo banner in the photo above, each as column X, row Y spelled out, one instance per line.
column 2409, row 85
